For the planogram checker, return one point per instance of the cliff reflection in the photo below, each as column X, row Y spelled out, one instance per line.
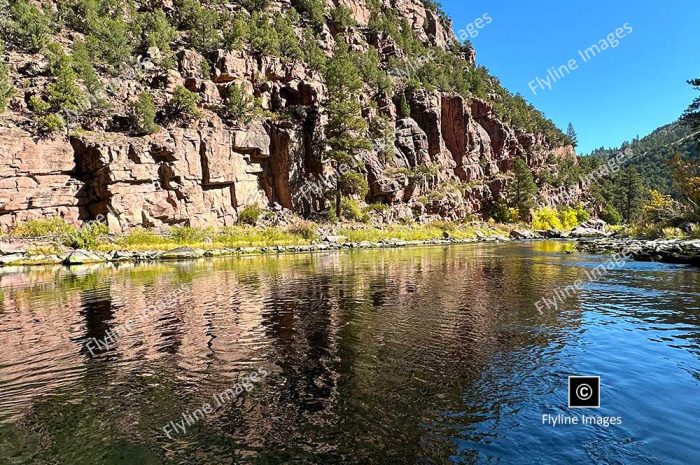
column 362, row 348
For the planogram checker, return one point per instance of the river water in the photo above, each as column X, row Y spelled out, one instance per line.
column 425, row 355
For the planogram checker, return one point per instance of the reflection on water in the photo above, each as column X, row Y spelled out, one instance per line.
column 423, row 355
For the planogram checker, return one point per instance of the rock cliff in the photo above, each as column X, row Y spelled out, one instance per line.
column 203, row 172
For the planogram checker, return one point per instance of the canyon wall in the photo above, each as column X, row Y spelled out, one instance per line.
column 204, row 172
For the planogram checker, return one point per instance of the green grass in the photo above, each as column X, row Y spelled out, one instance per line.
column 302, row 232
column 43, row 227
column 210, row 238
column 426, row 232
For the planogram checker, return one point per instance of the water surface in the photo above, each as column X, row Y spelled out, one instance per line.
column 424, row 355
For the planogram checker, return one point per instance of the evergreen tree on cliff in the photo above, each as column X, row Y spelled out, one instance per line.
column 346, row 130
column 571, row 134
column 522, row 190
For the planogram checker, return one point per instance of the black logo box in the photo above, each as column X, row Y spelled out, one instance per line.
column 584, row 391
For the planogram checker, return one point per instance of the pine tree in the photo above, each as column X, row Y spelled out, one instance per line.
column 346, row 129
column 289, row 44
column 144, row 114
column 264, row 38
column 313, row 55
column 64, row 92
column 237, row 32
column 29, row 27
column 404, row 107
column 156, row 31
column 203, row 25
column 571, row 134
column 630, row 193
column 522, row 192
column 369, row 64
column 111, row 42
column 239, row 105
column 312, row 9
column 341, row 17
column 7, row 90
column 83, row 66
column 183, row 105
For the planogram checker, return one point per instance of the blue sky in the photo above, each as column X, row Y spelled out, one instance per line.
column 625, row 91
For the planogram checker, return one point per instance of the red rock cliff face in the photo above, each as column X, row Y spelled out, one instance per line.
column 205, row 173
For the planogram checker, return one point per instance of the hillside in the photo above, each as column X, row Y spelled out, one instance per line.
column 654, row 152
column 188, row 112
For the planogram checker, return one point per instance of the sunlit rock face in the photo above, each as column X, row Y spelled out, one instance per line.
column 204, row 172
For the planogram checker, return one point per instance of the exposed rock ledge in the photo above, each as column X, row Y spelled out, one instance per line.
column 673, row 251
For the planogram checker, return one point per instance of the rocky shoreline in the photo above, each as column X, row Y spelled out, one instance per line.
column 14, row 256
column 671, row 250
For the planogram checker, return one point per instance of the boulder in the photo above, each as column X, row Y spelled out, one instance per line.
column 7, row 248
column 524, row 234
column 181, row 253
column 11, row 259
column 594, row 223
column 81, row 256
column 587, row 232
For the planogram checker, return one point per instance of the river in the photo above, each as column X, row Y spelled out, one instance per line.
column 425, row 355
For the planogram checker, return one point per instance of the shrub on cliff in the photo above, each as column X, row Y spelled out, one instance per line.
column 110, row 41
column 7, row 90
column 341, row 17
column 55, row 56
column 314, row 10
column 29, row 27
column 404, row 107
column 264, row 37
column 183, row 104
column 369, row 64
column 38, row 105
column 312, row 53
column 236, row 31
column 49, row 124
column 143, row 115
column 156, row 31
column 202, row 24
column 289, row 44
column 86, row 71
column 250, row 214
column 238, row 105
column 64, row 93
